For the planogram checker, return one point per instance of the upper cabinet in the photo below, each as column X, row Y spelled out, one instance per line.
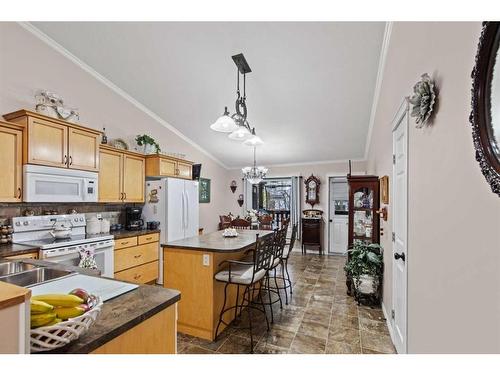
column 11, row 160
column 165, row 166
column 121, row 176
column 56, row 143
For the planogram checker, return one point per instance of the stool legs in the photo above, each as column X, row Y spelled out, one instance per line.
column 278, row 289
column 282, row 263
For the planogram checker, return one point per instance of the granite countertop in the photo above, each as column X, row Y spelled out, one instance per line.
column 215, row 242
column 12, row 249
column 123, row 233
column 121, row 314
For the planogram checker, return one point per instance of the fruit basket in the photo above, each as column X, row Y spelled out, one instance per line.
column 62, row 333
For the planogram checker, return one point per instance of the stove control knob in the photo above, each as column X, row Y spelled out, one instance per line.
column 25, row 223
column 18, row 223
column 75, row 219
column 81, row 219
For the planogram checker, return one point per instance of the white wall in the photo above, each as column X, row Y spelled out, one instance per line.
column 454, row 218
column 28, row 64
column 322, row 171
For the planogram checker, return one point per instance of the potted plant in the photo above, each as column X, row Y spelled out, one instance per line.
column 150, row 145
column 365, row 266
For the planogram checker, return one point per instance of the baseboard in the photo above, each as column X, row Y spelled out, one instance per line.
column 389, row 323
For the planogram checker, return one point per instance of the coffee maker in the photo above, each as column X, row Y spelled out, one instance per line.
column 133, row 219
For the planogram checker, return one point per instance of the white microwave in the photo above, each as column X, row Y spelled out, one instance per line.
column 52, row 184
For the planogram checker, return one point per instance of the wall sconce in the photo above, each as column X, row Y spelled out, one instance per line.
column 232, row 186
column 240, row 200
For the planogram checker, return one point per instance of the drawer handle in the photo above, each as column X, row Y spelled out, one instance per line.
column 148, row 238
column 137, row 256
column 124, row 242
column 136, row 277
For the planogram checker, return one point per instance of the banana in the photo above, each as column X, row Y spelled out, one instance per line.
column 39, row 320
column 61, row 300
column 55, row 321
column 68, row 312
column 40, row 307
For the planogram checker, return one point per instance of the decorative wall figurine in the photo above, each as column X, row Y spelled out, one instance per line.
column 240, row 200
column 52, row 105
column 423, row 100
column 232, row 186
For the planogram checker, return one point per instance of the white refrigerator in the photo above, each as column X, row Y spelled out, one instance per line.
column 174, row 203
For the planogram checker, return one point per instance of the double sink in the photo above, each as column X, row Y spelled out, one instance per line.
column 26, row 275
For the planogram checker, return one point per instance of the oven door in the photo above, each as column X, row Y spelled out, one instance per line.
column 103, row 257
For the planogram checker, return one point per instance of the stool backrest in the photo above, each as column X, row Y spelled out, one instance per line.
column 264, row 251
column 239, row 223
column 280, row 241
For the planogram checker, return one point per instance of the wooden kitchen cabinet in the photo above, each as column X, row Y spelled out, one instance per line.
column 32, row 255
column 136, row 258
column 57, row 143
column 121, row 176
column 166, row 166
column 11, row 161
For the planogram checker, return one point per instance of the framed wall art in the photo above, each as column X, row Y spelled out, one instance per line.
column 204, row 190
column 384, row 189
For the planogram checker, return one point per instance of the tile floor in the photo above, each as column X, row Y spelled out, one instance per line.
column 319, row 319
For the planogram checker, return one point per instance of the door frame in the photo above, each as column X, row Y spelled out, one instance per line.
column 396, row 122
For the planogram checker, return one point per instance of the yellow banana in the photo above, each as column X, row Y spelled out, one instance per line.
column 68, row 312
column 55, row 321
column 62, row 300
column 40, row 307
column 39, row 320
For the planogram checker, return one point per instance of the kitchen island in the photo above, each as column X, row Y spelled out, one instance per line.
column 189, row 265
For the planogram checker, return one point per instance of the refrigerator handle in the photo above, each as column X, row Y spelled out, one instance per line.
column 182, row 216
column 187, row 210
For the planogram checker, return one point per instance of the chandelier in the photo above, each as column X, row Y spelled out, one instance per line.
column 237, row 124
column 254, row 174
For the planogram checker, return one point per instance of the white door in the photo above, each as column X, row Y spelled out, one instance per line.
column 176, row 204
column 399, row 224
column 339, row 236
column 192, row 208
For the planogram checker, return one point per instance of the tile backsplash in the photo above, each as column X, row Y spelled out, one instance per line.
column 115, row 213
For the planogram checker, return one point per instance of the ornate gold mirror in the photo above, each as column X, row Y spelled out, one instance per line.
column 312, row 190
column 485, row 115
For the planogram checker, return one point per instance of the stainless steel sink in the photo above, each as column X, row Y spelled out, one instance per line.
column 35, row 276
column 10, row 268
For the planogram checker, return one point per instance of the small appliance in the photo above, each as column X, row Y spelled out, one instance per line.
column 51, row 184
column 133, row 220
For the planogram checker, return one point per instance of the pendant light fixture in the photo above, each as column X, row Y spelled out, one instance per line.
column 254, row 174
column 237, row 125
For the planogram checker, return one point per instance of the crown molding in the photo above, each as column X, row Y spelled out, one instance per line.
column 63, row 51
column 319, row 162
column 378, row 83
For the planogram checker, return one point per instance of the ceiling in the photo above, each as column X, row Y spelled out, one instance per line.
column 309, row 94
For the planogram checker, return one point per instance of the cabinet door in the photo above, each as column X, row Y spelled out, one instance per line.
column 11, row 161
column 83, row 150
column 47, row 143
column 133, row 178
column 167, row 167
column 184, row 170
column 110, row 176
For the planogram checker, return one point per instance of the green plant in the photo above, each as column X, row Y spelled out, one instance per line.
column 365, row 260
column 147, row 140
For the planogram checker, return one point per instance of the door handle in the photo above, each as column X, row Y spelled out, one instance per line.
column 65, row 160
column 18, row 193
column 400, row 256
column 70, row 160
column 125, row 196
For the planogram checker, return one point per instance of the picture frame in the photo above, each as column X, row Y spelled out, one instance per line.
column 204, row 190
column 384, row 189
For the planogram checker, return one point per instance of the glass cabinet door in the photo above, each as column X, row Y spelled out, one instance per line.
column 363, row 215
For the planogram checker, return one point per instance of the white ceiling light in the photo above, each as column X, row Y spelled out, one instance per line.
column 224, row 124
column 254, row 140
column 237, row 125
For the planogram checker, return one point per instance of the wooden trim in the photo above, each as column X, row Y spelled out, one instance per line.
column 11, row 295
column 156, row 335
column 127, row 152
column 11, row 125
column 160, row 156
column 32, row 255
column 24, row 112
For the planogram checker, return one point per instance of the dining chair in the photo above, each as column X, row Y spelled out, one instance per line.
column 239, row 223
column 249, row 275
column 266, row 222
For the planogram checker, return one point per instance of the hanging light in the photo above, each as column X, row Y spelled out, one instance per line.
column 254, row 140
column 237, row 124
column 254, row 174
column 224, row 124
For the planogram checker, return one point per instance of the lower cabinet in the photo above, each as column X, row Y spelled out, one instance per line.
column 136, row 258
column 33, row 255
